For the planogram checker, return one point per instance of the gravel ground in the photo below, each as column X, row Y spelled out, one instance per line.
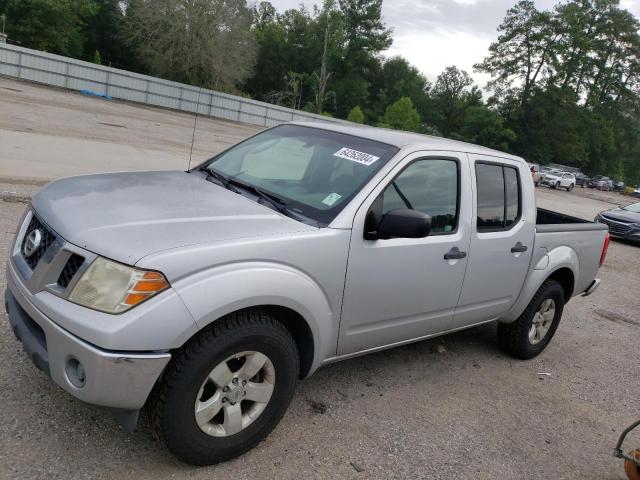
column 449, row 408
column 98, row 135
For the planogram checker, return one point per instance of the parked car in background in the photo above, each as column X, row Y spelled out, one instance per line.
column 557, row 179
column 623, row 222
column 601, row 182
column 618, row 186
column 582, row 180
column 535, row 173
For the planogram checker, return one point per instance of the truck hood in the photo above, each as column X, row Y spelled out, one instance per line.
column 126, row 216
column 622, row 215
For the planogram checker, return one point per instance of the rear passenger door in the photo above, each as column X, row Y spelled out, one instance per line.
column 501, row 242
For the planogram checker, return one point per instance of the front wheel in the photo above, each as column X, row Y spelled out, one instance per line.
column 528, row 336
column 570, row 187
column 227, row 389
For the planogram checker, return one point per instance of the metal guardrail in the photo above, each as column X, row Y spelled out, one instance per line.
column 64, row 72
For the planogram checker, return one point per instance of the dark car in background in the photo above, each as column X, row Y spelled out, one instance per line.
column 601, row 182
column 618, row 186
column 623, row 222
column 582, row 180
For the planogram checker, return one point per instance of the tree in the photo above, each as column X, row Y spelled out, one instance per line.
column 356, row 115
column 207, row 43
column 103, row 32
column 452, row 94
column 519, row 59
column 396, row 79
column 486, row 127
column 96, row 58
column 54, row 26
column 402, row 115
column 365, row 37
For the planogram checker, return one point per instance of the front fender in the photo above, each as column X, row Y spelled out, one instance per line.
column 545, row 266
column 214, row 293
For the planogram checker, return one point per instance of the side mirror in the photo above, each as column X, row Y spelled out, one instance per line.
column 404, row 223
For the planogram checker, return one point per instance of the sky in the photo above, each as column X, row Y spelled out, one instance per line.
column 433, row 34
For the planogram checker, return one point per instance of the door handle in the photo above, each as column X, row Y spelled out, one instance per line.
column 454, row 254
column 518, row 248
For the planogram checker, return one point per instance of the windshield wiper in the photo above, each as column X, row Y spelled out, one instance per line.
column 276, row 202
column 220, row 178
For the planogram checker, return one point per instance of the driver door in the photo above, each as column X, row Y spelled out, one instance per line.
column 402, row 289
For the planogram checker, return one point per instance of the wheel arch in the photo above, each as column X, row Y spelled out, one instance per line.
column 292, row 297
column 566, row 278
column 563, row 269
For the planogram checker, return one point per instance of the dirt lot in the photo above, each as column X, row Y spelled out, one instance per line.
column 449, row 408
column 48, row 133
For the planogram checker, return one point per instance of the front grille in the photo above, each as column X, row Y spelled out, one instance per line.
column 70, row 269
column 47, row 238
column 616, row 228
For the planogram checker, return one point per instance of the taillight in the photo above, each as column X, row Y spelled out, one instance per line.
column 605, row 247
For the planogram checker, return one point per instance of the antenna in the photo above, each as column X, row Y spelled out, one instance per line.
column 195, row 123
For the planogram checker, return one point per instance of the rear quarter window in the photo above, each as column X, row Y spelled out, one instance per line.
column 498, row 197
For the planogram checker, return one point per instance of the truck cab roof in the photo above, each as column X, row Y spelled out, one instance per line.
column 402, row 139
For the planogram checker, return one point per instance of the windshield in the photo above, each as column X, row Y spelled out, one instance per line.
column 634, row 207
column 313, row 172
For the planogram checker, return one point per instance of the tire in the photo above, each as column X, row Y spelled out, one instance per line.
column 556, row 186
column 181, row 390
column 570, row 187
column 514, row 338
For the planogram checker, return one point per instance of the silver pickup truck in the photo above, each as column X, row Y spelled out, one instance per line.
column 206, row 295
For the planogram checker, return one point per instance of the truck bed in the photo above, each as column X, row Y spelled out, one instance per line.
column 578, row 241
column 550, row 221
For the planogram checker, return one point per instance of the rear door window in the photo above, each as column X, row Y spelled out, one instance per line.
column 498, row 197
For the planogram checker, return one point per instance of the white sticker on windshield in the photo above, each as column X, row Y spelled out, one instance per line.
column 332, row 198
column 356, row 156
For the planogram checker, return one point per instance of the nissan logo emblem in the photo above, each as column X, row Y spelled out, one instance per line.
column 32, row 243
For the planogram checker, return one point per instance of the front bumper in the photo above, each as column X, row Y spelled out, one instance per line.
column 121, row 380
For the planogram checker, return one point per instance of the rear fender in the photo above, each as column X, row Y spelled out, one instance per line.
column 554, row 260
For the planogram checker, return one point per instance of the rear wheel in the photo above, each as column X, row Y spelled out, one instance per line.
column 529, row 335
column 227, row 389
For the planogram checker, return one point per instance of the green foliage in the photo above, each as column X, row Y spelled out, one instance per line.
column 96, row 58
column 451, row 96
column 54, row 26
column 356, row 115
column 207, row 43
column 486, row 127
column 567, row 82
column 402, row 115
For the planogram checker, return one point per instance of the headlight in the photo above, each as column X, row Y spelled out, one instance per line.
column 112, row 287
